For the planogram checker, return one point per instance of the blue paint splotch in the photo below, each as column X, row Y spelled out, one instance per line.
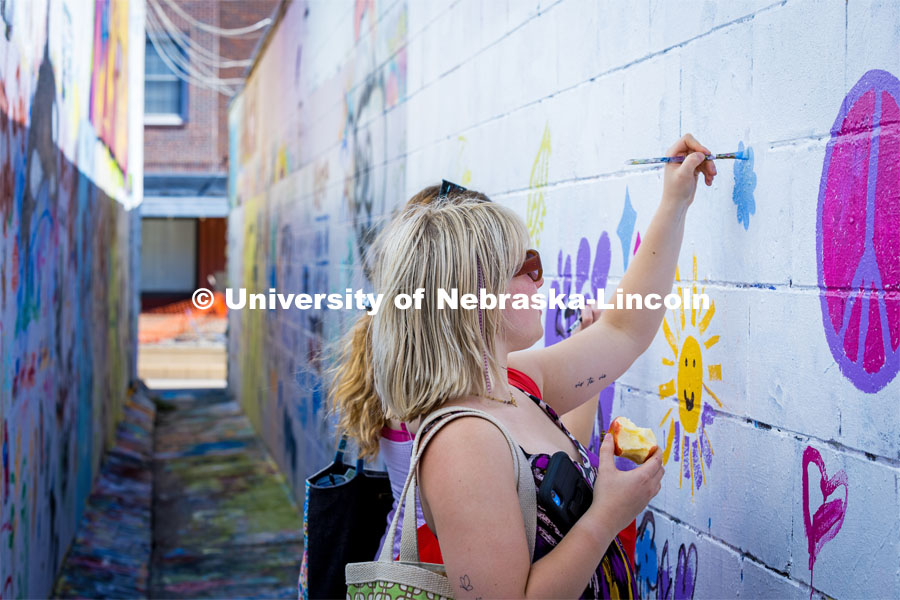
column 626, row 227
column 744, row 184
column 646, row 557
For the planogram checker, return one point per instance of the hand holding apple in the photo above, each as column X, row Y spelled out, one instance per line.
column 632, row 442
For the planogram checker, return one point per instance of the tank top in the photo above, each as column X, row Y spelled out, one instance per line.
column 614, row 576
column 395, row 449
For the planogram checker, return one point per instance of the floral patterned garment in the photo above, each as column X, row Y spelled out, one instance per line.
column 614, row 577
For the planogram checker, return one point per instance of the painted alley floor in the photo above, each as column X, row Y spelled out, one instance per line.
column 223, row 522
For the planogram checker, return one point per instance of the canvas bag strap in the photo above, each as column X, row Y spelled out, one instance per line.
column 409, row 489
column 524, row 484
column 524, row 478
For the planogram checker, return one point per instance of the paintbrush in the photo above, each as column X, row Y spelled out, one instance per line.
column 574, row 325
column 740, row 155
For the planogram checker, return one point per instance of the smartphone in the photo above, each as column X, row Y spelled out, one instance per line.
column 564, row 493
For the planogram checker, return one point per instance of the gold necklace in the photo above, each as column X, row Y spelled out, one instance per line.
column 510, row 401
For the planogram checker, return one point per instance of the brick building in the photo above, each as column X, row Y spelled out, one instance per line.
column 186, row 138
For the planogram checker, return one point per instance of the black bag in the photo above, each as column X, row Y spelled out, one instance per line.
column 344, row 518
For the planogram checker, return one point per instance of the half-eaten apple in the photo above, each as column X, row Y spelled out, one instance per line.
column 632, row 442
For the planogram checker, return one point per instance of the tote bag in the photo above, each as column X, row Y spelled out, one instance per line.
column 409, row 578
column 343, row 520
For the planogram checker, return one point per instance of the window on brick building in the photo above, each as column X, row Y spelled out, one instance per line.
column 165, row 94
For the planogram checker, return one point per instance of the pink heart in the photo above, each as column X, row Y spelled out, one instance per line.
column 828, row 518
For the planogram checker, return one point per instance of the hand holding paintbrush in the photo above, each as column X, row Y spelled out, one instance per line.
column 742, row 155
column 686, row 159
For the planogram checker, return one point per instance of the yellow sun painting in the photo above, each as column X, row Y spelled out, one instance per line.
column 690, row 340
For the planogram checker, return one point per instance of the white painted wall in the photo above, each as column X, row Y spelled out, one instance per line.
column 539, row 104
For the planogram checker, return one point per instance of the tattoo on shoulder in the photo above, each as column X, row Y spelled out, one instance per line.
column 465, row 584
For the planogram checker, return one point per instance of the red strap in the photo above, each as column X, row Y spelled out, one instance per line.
column 628, row 539
column 523, row 382
column 429, row 549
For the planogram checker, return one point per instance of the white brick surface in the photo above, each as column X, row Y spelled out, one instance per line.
column 867, row 21
column 759, row 582
column 798, row 66
column 697, row 18
column 869, row 537
column 609, row 81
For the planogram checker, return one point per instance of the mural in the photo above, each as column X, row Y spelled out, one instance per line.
column 66, row 288
column 689, row 341
column 653, row 569
column 353, row 106
column 858, row 234
column 366, row 142
column 306, row 221
column 109, row 80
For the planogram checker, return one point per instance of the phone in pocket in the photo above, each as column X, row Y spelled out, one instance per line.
column 564, row 493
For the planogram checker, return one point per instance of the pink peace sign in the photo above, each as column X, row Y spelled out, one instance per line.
column 858, row 233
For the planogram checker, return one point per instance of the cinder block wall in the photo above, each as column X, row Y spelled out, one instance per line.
column 785, row 474
column 71, row 106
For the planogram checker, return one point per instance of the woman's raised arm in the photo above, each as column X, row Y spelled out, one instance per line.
column 578, row 368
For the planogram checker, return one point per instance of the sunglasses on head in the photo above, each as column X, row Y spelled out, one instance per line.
column 448, row 187
column 532, row 266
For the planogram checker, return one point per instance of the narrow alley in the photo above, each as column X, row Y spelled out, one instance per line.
column 221, row 522
column 196, row 196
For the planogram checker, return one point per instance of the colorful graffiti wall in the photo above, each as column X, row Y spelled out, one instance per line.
column 777, row 406
column 67, row 286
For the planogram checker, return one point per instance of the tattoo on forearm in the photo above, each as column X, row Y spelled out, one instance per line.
column 590, row 380
column 465, row 584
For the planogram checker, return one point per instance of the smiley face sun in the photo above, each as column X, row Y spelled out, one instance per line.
column 687, row 440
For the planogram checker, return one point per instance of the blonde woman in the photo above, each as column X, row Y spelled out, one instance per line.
column 430, row 358
column 361, row 415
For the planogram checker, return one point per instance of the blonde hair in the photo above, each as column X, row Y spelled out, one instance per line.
column 351, row 392
column 424, row 357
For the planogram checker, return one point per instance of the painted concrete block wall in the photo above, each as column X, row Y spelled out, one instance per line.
column 783, row 478
column 71, row 111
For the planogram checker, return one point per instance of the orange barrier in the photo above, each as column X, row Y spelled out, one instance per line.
column 169, row 321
